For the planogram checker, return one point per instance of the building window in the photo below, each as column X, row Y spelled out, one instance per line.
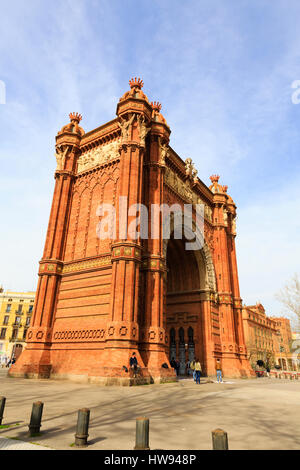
column 17, row 320
column 30, row 308
column 8, row 308
column 20, row 308
column 3, row 333
column 24, row 333
column 6, row 319
column 27, row 321
column 14, row 333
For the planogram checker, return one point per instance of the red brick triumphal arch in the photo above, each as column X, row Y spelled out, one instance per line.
column 101, row 298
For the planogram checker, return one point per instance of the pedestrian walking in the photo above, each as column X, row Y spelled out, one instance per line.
column 219, row 371
column 198, row 370
column 192, row 367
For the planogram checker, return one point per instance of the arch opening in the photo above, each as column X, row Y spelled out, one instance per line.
column 185, row 285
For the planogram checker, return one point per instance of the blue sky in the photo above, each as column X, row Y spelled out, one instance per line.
column 223, row 71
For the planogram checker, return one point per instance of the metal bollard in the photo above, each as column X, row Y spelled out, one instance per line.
column 36, row 418
column 2, row 406
column 219, row 439
column 142, row 434
column 82, row 428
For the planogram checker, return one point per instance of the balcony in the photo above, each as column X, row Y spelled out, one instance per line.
column 16, row 340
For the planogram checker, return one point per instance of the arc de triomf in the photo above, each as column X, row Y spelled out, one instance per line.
column 100, row 299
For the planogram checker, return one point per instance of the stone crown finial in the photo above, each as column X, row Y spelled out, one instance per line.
column 156, row 106
column 75, row 117
column 214, row 178
column 136, row 83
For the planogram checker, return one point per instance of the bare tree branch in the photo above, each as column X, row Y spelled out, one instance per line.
column 289, row 296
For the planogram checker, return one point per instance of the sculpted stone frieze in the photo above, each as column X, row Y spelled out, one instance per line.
column 90, row 264
column 98, row 156
column 183, row 189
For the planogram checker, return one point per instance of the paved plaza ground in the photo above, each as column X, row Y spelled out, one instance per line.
column 257, row 414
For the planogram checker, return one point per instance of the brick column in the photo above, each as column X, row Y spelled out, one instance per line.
column 237, row 301
column 153, row 334
column 122, row 332
column 234, row 359
column 222, row 260
column 36, row 359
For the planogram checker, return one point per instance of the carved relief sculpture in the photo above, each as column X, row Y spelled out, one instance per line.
column 61, row 158
column 143, row 129
column 188, row 167
column 225, row 216
column 233, row 225
column 124, row 125
column 164, row 149
column 98, row 156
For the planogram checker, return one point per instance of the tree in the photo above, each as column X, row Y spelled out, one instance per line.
column 289, row 296
column 252, row 354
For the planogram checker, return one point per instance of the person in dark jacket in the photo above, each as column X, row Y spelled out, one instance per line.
column 173, row 363
column 134, row 364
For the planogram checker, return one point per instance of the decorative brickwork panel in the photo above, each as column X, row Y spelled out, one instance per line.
column 86, row 294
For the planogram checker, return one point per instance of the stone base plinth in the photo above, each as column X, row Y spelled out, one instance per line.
column 103, row 367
